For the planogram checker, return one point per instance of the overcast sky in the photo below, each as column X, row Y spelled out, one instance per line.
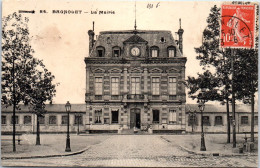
column 61, row 40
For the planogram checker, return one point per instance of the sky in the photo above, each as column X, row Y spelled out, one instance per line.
column 61, row 40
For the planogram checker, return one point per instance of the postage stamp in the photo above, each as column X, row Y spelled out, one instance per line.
column 238, row 26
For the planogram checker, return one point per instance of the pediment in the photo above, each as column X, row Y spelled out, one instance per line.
column 172, row 70
column 136, row 70
column 135, row 39
column 156, row 70
column 98, row 70
column 115, row 70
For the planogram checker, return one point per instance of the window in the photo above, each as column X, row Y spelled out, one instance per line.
column 78, row 120
column 108, row 40
column 115, row 116
column 192, row 120
column 205, row 120
column 154, row 51
column 100, row 51
column 3, row 119
column 172, row 116
column 244, row 120
column 116, row 51
column 135, row 85
column 171, row 51
column 16, row 120
column 52, row 120
column 98, row 86
column 42, row 119
column 156, row 116
column 64, row 119
column 256, row 120
column 115, row 86
column 27, row 120
column 163, row 40
column 156, row 86
column 218, row 120
column 172, row 86
column 98, row 116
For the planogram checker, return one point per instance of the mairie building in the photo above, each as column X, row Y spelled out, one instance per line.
column 134, row 80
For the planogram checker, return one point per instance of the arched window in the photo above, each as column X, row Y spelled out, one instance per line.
column 154, row 51
column 100, row 51
column 116, row 51
column 171, row 51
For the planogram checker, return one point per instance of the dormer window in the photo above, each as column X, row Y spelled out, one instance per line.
column 100, row 51
column 154, row 51
column 171, row 51
column 163, row 40
column 116, row 51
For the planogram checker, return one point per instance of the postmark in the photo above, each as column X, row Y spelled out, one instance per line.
column 237, row 26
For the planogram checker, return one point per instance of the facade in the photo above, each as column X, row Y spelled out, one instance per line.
column 134, row 80
column 215, row 118
column 55, row 120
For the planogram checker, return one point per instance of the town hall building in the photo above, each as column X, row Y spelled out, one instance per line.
column 134, row 80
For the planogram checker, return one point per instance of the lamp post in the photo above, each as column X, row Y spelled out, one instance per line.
column 68, row 107
column 201, row 107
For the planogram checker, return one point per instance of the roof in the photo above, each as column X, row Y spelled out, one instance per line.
column 220, row 108
column 110, row 39
column 135, row 39
column 189, row 107
column 50, row 108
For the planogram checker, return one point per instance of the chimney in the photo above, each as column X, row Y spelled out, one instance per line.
column 91, row 34
column 180, row 33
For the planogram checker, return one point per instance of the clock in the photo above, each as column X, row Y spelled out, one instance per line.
column 135, row 51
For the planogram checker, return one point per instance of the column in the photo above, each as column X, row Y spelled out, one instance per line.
column 145, row 83
column 125, row 82
column 87, row 80
column 87, row 123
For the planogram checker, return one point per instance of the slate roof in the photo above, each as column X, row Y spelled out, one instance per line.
column 135, row 39
column 117, row 38
column 220, row 108
column 189, row 107
column 50, row 108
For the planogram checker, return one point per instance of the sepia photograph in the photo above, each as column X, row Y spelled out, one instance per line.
column 129, row 83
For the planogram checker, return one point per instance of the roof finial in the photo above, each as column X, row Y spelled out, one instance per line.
column 180, row 22
column 135, row 16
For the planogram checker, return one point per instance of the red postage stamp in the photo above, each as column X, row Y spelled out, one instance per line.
column 237, row 26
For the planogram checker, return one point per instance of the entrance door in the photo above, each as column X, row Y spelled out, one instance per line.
column 135, row 118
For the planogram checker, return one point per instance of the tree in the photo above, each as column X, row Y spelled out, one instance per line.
column 248, row 76
column 217, row 64
column 18, row 65
column 38, row 91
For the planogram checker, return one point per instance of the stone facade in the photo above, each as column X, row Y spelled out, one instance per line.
column 134, row 79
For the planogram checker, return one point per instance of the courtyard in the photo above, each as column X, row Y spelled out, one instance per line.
column 99, row 150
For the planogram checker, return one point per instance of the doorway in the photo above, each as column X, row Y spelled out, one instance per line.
column 135, row 118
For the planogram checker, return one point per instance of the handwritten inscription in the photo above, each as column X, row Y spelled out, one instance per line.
column 151, row 5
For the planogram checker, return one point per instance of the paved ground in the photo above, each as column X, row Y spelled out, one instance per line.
column 138, row 150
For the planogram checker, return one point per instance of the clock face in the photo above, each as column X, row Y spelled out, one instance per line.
column 135, row 51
